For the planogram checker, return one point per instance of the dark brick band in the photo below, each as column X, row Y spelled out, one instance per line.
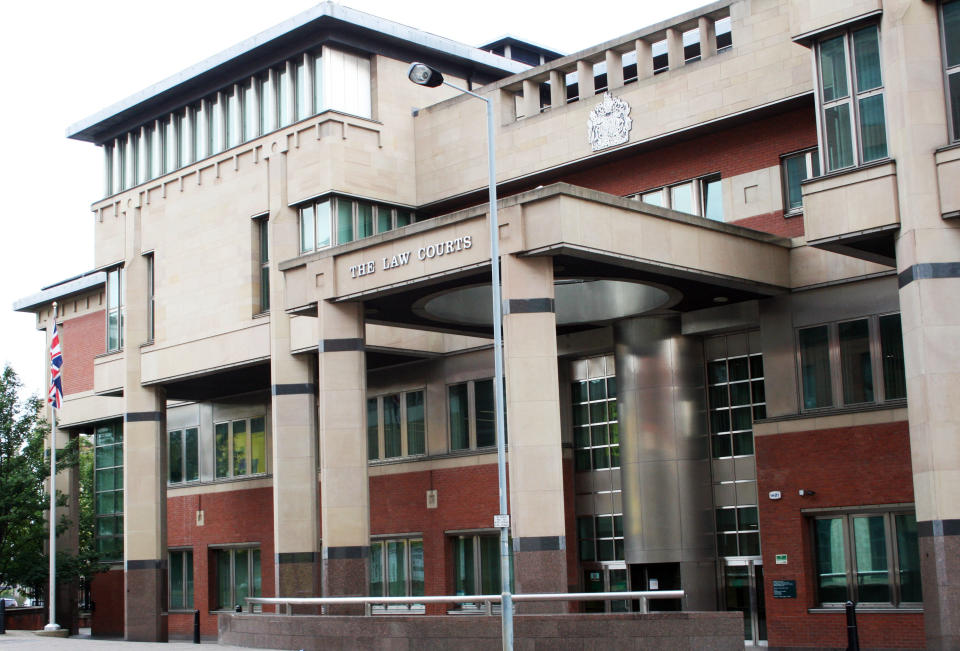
column 530, row 305
column 938, row 528
column 340, row 345
column 147, row 565
column 143, row 416
column 293, row 389
column 338, row 553
column 540, row 544
column 297, row 557
column 928, row 270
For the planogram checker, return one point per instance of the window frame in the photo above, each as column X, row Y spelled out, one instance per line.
column 215, row 583
column 248, row 446
column 612, row 425
column 592, row 543
column 852, row 98
column 182, row 433
column 118, row 309
column 407, row 540
column 811, row 165
column 889, row 514
column 117, row 512
column 836, row 368
column 475, row 536
column 186, row 552
column 404, row 425
column 472, row 416
column 699, row 196
column 262, row 237
column 953, row 112
column 333, row 202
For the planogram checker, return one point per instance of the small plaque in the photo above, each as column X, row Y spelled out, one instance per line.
column 654, row 584
column 501, row 521
column 775, row 495
column 781, row 559
column 432, row 499
column 785, row 589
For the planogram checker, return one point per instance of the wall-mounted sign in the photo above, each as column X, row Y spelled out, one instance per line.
column 501, row 521
column 785, row 589
column 609, row 123
column 781, row 559
column 426, row 252
column 775, row 495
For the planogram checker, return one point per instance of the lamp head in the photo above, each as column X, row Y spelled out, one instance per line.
column 423, row 75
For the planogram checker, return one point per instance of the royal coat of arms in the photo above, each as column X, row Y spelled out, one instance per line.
column 609, row 123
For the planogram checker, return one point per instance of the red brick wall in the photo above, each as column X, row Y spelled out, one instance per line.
column 733, row 151
column 106, row 591
column 81, row 339
column 850, row 466
column 241, row 516
column 32, row 618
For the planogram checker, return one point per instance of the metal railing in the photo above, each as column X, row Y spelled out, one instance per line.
column 643, row 596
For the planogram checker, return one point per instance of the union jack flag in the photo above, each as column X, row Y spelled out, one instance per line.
column 56, row 362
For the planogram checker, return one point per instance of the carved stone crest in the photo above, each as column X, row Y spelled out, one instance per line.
column 609, row 123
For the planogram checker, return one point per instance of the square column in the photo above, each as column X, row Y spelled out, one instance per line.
column 296, row 500
column 144, row 466
column 533, row 429
column 345, row 500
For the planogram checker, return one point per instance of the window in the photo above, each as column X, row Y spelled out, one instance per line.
column 870, row 558
column 108, row 490
column 852, row 362
column 263, row 246
column 396, row 425
column 476, row 566
column 183, row 456
column 851, row 98
column 151, row 307
column 115, row 309
column 396, row 570
column 600, row 537
column 736, row 397
column 795, row 169
column 738, row 531
column 596, row 428
column 702, row 196
column 181, row 579
column 472, row 415
column 950, row 25
column 238, row 577
column 354, row 220
column 240, row 447
column 293, row 90
column 724, row 35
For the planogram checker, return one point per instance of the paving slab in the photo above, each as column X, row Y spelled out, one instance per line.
column 30, row 641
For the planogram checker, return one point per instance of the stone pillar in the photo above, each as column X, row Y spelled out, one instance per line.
column 614, row 69
column 708, row 37
column 674, row 48
column 144, row 465
column 531, row 98
column 928, row 259
column 296, row 518
column 533, row 429
column 345, row 508
column 558, row 89
column 664, row 454
column 644, row 59
column 585, row 87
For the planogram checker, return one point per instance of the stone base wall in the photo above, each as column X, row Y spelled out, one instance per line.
column 684, row 630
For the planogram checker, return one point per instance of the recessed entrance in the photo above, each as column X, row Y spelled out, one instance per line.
column 743, row 591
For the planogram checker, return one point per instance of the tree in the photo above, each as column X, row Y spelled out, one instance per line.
column 23, row 500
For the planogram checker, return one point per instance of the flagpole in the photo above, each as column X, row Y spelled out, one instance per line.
column 52, row 596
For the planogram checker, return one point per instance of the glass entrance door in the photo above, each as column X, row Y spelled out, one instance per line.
column 606, row 579
column 743, row 591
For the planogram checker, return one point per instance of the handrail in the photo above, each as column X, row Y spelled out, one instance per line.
column 487, row 599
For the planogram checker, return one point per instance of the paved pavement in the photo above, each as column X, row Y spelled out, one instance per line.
column 28, row 641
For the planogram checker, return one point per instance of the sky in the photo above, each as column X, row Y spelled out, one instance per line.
column 68, row 60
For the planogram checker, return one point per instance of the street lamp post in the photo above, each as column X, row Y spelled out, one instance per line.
column 423, row 75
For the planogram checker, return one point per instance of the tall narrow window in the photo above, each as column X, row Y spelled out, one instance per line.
column 143, row 155
column 116, row 166
column 130, row 160
column 234, row 128
column 472, row 416
column 263, row 235
column 344, row 221
column 950, row 24
column 396, row 570
column 156, row 150
column 216, row 123
column 151, row 302
column 318, row 105
column 396, row 425
column 251, row 121
column 181, row 579
column 170, row 143
column 815, row 367
column 201, row 136
column 795, row 169
column 851, row 98
column 115, row 309
column 267, row 103
column 183, row 455
column 108, row 491
column 304, row 98
column 187, row 130
column 285, row 96
column 711, row 198
column 107, row 170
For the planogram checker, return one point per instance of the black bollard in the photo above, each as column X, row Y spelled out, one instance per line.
column 196, row 627
column 853, row 640
column 238, row 609
column 3, row 616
